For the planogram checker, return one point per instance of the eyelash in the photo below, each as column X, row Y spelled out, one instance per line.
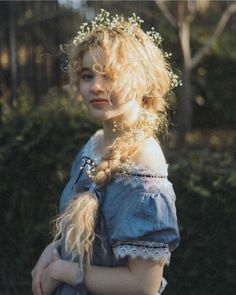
column 87, row 77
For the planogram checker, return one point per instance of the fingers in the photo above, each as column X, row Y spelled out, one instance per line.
column 37, row 288
column 41, row 289
column 36, row 282
column 38, row 291
column 49, row 255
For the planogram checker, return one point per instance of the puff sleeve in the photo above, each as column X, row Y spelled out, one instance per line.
column 141, row 218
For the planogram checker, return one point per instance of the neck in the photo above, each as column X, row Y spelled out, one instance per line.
column 110, row 133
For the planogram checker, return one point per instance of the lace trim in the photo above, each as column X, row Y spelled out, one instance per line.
column 153, row 186
column 153, row 180
column 132, row 168
column 128, row 167
column 142, row 249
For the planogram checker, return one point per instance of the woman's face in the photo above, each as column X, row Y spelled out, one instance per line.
column 102, row 106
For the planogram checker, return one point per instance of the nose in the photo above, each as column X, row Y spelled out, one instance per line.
column 98, row 84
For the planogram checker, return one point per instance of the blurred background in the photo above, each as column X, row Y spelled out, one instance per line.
column 42, row 127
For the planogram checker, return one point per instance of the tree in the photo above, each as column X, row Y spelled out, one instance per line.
column 30, row 59
column 185, row 13
column 12, row 46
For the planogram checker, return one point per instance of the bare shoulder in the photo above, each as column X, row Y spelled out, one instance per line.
column 150, row 155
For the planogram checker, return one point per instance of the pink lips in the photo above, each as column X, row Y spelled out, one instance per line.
column 99, row 101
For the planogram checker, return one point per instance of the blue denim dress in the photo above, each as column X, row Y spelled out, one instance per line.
column 137, row 214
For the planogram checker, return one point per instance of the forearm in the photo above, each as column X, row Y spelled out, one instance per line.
column 101, row 280
column 112, row 280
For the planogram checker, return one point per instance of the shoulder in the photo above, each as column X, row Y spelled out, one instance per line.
column 147, row 171
column 150, row 156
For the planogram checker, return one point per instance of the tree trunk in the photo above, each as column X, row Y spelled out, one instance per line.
column 185, row 105
column 185, row 112
column 186, row 11
column 12, row 46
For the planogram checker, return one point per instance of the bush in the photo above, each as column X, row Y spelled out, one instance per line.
column 35, row 160
column 205, row 185
column 39, row 147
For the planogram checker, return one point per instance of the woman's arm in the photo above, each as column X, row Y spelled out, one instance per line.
column 140, row 277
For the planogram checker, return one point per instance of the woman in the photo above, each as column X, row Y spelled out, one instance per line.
column 118, row 221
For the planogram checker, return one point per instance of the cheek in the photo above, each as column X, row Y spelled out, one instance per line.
column 83, row 89
column 84, row 93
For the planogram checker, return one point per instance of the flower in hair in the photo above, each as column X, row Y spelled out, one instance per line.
column 104, row 20
column 155, row 36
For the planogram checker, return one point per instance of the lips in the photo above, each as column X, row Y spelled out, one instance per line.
column 99, row 100
column 99, row 103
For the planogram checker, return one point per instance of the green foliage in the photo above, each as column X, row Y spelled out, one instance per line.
column 39, row 147
column 205, row 185
column 44, row 25
column 35, row 160
column 217, row 109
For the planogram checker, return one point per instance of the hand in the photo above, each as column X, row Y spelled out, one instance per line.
column 45, row 259
column 48, row 283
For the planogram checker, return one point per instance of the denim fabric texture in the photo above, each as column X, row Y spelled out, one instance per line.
column 136, row 217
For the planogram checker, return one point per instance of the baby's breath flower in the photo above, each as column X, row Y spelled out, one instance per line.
column 104, row 20
column 167, row 54
column 175, row 80
column 155, row 36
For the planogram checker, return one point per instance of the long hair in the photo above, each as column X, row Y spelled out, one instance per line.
column 127, row 58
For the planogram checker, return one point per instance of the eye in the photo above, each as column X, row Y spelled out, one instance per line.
column 86, row 76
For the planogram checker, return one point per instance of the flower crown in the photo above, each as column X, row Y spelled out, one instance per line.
column 104, row 20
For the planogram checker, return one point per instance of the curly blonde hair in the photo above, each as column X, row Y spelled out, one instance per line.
column 128, row 57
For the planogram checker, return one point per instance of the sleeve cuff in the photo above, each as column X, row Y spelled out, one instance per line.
column 144, row 249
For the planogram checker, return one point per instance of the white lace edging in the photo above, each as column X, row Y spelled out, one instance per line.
column 153, row 186
column 155, row 181
column 142, row 249
column 127, row 166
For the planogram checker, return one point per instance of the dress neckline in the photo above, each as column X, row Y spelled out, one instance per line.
column 138, row 170
column 92, row 147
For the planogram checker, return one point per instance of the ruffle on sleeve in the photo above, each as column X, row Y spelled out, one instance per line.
column 140, row 216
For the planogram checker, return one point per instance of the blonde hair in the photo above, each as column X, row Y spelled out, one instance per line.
column 147, row 70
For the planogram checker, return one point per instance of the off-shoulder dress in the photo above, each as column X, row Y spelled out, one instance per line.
column 137, row 214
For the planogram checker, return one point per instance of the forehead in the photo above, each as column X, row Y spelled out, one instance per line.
column 92, row 57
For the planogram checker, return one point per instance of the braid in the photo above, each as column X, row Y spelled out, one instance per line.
column 79, row 239
column 124, row 147
column 82, row 211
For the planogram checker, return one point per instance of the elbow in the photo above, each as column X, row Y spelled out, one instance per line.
column 148, row 289
column 149, row 292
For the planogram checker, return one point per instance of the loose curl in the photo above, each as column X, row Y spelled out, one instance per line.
column 127, row 58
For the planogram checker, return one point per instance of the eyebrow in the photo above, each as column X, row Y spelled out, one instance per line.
column 85, row 69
